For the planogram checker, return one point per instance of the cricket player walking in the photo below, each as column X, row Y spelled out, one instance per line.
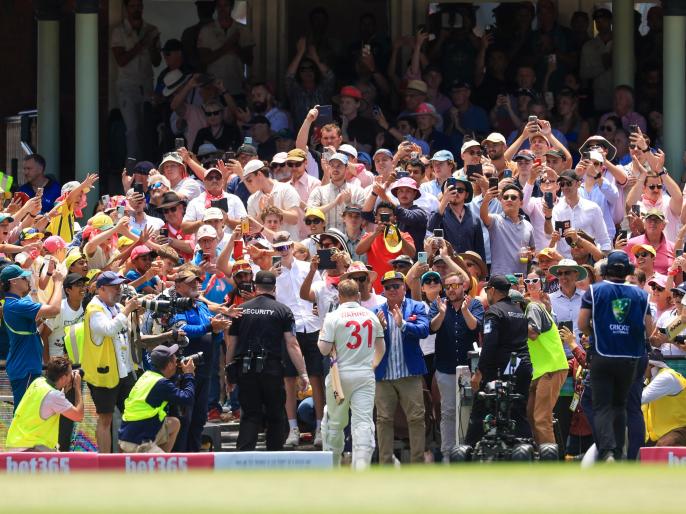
column 354, row 337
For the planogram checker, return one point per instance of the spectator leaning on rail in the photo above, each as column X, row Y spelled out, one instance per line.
column 35, row 425
column 145, row 427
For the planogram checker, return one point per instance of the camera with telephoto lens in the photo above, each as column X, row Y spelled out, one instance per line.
column 176, row 304
column 197, row 358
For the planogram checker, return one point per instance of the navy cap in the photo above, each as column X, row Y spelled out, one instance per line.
column 618, row 263
column 500, row 282
column 160, row 355
column 265, row 278
column 109, row 278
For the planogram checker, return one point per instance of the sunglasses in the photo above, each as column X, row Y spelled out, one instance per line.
column 510, row 197
column 453, row 286
column 213, row 178
column 361, row 279
column 563, row 273
column 283, row 248
column 657, row 288
column 278, row 165
column 678, row 294
column 529, row 281
column 475, row 152
column 643, row 254
column 170, row 209
column 212, row 113
column 156, row 185
column 432, row 280
column 294, row 164
column 564, row 183
column 391, row 287
column 653, row 187
column 459, row 190
column 313, row 221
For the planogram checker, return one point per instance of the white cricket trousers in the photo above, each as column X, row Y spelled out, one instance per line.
column 358, row 388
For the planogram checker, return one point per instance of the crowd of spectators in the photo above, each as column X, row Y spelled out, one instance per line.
column 504, row 152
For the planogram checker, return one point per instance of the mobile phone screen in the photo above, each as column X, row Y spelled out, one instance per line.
column 561, row 226
column 325, row 115
column 325, row 261
column 222, row 204
column 474, row 169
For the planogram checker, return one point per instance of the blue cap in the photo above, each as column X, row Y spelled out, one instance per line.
column 430, row 274
column 338, row 156
column 364, row 157
column 109, row 278
column 442, row 156
column 618, row 263
column 5, row 216
column 383, row 151
column 13, row 271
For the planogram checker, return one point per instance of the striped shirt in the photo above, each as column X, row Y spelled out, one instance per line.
column 396, row 357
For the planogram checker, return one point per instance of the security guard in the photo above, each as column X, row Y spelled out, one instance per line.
column 256, row 341
column 617, row 316
column 505, row 331
column 145, row 427
column 35, row 424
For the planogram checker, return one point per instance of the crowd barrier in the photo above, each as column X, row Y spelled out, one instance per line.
column 37, row 462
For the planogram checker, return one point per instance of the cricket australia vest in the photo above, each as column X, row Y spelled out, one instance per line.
column 618, row 319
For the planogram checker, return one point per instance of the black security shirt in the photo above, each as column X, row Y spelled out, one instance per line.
column 505, row 331
column 262, row 326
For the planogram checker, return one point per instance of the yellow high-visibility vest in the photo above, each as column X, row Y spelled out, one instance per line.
column 28, row 429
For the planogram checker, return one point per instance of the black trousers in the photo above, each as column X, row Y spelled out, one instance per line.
column 262, row 396
column 611, row 379
column 193, row 418
column 480, row 409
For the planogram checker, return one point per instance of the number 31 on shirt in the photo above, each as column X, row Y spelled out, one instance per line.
column 356, row 340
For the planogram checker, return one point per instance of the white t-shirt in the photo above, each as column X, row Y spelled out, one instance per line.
column 58, row 326
column 325, row 296
column 665, row 319
column 196, row 208
column 353, row 329
column 284, row 196
column 373, row 301
column 188, row 188
column 428, row 344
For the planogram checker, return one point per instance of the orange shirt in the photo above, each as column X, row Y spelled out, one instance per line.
column 378, row 256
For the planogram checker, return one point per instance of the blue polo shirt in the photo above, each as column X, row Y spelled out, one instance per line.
column 51, row 192
column 26, row 350
column 134, row 275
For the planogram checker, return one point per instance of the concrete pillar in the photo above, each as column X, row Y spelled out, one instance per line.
column 87, row 152
column 674, row 92
column 623, row 42
column 48, row 84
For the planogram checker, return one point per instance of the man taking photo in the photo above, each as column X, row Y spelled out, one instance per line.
column 145, row 427
column 35, row 425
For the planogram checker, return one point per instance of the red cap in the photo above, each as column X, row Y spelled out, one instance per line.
column 352, row 92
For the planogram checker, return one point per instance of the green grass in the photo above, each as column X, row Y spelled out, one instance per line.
column 469, row 488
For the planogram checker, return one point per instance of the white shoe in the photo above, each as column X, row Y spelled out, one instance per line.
column 293, row 438
column 318, row 439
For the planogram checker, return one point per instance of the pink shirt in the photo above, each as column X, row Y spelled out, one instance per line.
column 665, row 252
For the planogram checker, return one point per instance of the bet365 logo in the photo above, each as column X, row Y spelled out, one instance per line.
column 620, row 309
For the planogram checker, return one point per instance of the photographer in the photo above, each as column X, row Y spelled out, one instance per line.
column 107, row 360
column 202, row 329
column 35, row 425
column 256, row 340
column 505, row 332
column 145, row 427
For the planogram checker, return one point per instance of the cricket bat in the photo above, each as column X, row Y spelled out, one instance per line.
column 336, row 378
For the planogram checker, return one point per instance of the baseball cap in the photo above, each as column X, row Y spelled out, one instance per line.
column 430, row 274
column 392, row 275
column 654, row 213
column 460, row 84
column 92, row 273
column 315, row 212
column 568, row 175
column 349, row 150
column 172, row 45
column 352, row 208
column 296, row 155
column 252, row 167
column 161, row 354
column 279, row 158
column 351, row 91
column 648, row 248
column 554, row 152
column 6, row 217
column 170, row 157
column 30, row 233
column 246, row 149
column 206, row 231
column 143, row 167
column 496, row 137
column 618, row 262
column 74, row 278
column 54, row 243
column 401, row 259
column 443, row 155
column 469, row 144
column 524, row 154
column 338, row 156
column 70, row 186
column 417, row 85
column 658, row 280
column 282, row 238
column 499, row 282
column 265, row 278
column 72, row 258
column 383, row 151
column 213, row 213
column 681, row 288
column 186, row 275
column 109, row 278
column 101, row 221
column 206, row 149
column 139, row 251
column 211, row 171
column 241, row 266
column 13, row 271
